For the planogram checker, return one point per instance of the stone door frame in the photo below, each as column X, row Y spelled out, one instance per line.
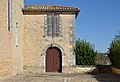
column 44, row 55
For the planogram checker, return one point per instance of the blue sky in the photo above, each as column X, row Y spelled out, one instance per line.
column 98, row 21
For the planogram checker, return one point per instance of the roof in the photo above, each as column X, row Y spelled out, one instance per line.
column 31, row 8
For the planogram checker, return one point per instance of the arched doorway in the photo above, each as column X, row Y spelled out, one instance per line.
column 53, row 60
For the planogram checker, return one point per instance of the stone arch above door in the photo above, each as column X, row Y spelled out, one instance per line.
column 53, row 45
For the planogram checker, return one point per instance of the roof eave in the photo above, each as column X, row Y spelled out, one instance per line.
column 76, row 12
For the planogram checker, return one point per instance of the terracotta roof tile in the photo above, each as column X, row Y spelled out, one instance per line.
column 49, row 8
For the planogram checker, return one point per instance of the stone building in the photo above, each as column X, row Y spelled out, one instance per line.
column 36, row 39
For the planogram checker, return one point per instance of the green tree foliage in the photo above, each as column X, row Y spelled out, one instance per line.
column 85, row 53
column 114, row 51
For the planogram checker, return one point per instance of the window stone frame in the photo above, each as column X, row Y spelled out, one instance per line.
column 52, row 38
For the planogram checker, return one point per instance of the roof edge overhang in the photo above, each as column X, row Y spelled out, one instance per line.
column 35, row 10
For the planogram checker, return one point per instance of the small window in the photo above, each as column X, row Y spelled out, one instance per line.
column 9, row 15
column 52, row 24
column 16, row 34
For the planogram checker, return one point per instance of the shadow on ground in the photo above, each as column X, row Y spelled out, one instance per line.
column 57, row 77
column 106, row 77
column 105, row 74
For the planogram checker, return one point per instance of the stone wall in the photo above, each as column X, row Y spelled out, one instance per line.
column 80, row 69
column 23, row 46
column 35, row 43
column 17, row 30
column 5, row 42
column 11, row 40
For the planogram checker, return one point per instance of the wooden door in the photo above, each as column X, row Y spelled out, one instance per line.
column 53, row 60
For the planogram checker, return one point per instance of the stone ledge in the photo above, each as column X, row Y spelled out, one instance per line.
column 115, row 70
column 80, row 69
